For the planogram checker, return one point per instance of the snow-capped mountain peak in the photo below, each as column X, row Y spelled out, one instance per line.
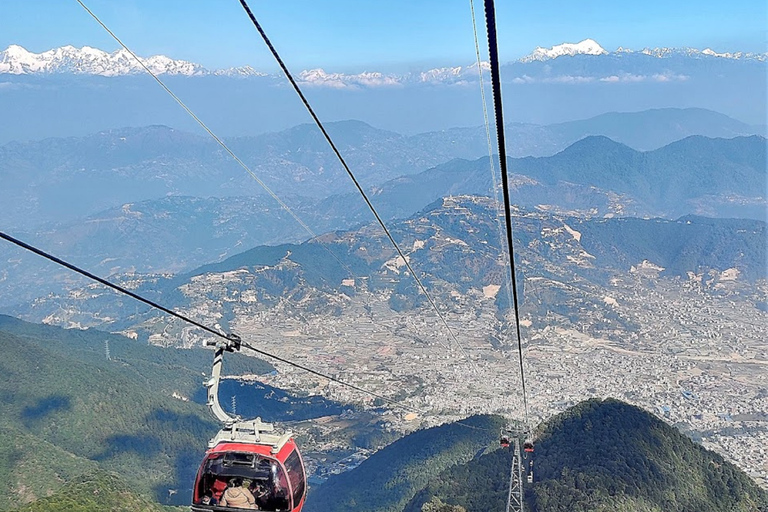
column 89, row 61
column 16, row 60
column 585, row 47
column 663, row 53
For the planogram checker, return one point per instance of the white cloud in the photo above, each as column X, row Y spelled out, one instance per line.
column 14, row 86
column 560, row 79
column 570, row 79
column 624, row 78
column 669, row 77
column 525, row 79
column 610, row 79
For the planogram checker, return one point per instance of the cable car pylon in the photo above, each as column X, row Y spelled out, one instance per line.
column 515, row 495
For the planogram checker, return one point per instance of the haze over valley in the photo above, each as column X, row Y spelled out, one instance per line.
column 639, row 198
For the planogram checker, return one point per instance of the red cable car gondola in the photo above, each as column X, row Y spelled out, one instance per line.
column 248, row 465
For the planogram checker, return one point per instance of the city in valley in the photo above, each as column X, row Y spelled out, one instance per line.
column 692, row 350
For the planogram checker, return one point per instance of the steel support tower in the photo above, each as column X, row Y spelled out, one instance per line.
column 515, row 496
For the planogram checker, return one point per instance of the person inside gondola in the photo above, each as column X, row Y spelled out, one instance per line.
column 208, row 499
column 218, row 488
column 238, row 495
column 261, row 494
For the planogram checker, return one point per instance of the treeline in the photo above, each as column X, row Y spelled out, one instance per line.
column 95, row 492
column 604, row 456
column 611, row 453
column 68, row 409
column 390, row 477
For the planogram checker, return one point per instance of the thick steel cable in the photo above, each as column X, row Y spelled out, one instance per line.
column 343, row 162
column 487, row 126
column 490, row 21
column 188, row 320
column 224, row 146
column 214, row 332
column 282, row 204
column 486, row 121
column 213, row 135
column 259, row 181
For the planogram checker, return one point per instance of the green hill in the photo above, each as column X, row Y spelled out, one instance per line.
column 31, row 468
column 390, row 477
column 94, row 492
column 691, row 243
column 68, row 409
column 604, row 456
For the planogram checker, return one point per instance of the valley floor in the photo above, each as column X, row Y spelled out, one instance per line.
column 695, row 354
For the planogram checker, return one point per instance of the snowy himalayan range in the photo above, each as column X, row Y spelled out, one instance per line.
column 16, row 60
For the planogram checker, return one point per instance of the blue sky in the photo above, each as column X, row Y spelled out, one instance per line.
column 355, row 35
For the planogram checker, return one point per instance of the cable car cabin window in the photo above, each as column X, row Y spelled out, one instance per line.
column 232, row 480
column 240, row 459
column 295, row 470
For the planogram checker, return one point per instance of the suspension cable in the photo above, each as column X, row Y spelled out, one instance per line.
column 276, row 198
column 223, row 145
column 394, row 403
column 343, row 162
column 190, row 321
column 487, row 125
column 490, row 20
column 216, row 138
column 226, row 148
column 264, row 185
column 486, row 121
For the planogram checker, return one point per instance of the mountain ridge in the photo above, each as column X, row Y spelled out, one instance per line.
column 593, row 178
column 136, row 164
column 17, row 60
column 592, row 47
column 604, row 454
column 711, row 251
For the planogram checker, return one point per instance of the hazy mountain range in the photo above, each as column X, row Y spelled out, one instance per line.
column 62, row 179
column 70, row 91
column 453, row 262
column 16, row 60
column 159, row 200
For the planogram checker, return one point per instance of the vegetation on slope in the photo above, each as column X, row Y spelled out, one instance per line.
column 31, row 468
column 603, row 450
column 690, row 244
column 390, row 477
column 95, row 492
column 68, row 409
column 601, row 456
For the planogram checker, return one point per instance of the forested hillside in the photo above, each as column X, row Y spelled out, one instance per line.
column 601, row 456
column 77, row 401
column 95, row 492
column 390, row 477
